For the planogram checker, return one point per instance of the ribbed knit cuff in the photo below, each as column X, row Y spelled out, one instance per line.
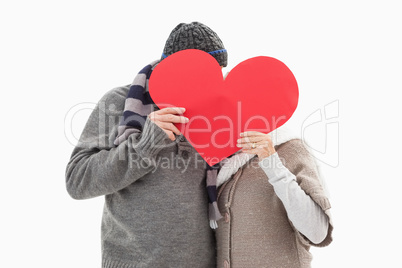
column 152, row 140
column 106, row 263
column 274, row 168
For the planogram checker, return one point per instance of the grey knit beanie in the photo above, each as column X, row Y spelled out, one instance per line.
column 195, row 35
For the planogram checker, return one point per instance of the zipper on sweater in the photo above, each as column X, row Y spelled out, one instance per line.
column 228, row 204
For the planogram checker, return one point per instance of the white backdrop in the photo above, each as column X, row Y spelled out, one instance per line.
column 56, row 55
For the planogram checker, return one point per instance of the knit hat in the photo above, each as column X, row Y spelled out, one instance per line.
column 195, row 35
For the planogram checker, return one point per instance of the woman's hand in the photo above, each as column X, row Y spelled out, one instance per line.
column 165, row 119
column 254, row 142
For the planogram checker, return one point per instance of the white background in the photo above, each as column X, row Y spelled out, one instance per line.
column 57, row 54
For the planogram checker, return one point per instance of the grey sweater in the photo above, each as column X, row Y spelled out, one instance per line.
column 155, row 210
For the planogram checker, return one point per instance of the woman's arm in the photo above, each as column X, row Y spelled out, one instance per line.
column 296, row 184
column 306, row 215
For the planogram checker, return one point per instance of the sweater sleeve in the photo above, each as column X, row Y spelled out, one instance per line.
column 296, row 159
column 306, row 216
column 97, row 167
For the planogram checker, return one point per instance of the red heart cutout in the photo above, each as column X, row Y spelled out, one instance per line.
column 259, row 94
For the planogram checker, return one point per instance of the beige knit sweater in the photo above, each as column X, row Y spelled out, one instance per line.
column 256, row 231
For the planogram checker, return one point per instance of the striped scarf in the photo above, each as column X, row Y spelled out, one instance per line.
column 137, row 106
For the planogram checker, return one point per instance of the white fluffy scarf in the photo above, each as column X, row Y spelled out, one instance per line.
column 231, row 165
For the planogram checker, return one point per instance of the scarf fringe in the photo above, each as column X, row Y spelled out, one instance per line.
column 213, row 224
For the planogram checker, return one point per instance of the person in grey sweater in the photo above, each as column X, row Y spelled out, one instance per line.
column 153, row 181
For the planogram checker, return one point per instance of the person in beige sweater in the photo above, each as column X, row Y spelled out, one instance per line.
column 273, row 203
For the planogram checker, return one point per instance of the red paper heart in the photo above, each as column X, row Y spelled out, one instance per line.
column 259, row 94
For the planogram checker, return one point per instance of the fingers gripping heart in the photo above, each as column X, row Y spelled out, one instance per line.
column 167, row 117
column 258, row 143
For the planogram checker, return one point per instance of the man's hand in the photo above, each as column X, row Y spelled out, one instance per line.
column 165, row 119
column 254, row 142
